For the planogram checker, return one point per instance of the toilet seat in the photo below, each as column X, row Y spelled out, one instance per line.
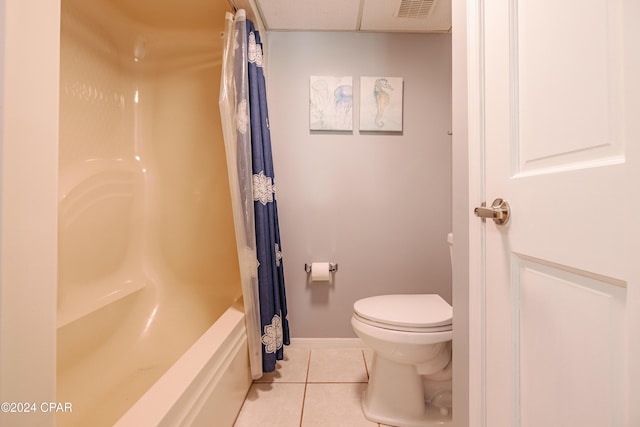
column 423, row 330
column 424, row 313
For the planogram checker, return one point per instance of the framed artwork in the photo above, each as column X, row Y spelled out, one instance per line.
column 331, row 103
column 381, row 104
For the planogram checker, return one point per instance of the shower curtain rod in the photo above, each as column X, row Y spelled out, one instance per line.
column 252, row 12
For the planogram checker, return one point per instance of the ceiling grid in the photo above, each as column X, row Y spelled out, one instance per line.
column 409, row 16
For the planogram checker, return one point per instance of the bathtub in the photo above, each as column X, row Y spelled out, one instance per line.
column 150, row 330
column 205, row 387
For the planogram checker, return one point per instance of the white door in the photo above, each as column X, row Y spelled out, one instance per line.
column 558, row 85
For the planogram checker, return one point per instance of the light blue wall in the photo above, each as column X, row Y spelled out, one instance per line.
column 378, row 205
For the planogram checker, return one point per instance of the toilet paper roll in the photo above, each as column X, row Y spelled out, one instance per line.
column 320, row 272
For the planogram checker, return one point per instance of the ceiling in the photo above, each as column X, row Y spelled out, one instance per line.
column 409, row 16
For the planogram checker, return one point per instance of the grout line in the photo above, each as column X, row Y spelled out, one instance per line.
column 327, row 343
column 306, row 378
column 279, row 382
column 339, row 382
column 304, row 399
column 306, row 381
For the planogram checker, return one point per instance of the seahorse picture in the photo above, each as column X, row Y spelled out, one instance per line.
column 381, row 104
column 331, row 103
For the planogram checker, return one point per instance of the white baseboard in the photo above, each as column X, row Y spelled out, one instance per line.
column 326, row 343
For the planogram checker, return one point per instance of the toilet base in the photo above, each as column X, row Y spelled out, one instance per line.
column 395, row 396
column 431, row 417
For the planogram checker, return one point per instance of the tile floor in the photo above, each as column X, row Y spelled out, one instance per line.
column 310, row 387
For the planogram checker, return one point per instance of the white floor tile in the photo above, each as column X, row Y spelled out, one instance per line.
column 334, row 405
column 341, row 365
column 272, row 405
column 292, row 369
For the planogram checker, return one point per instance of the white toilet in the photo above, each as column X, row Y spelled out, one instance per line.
column 410, row 378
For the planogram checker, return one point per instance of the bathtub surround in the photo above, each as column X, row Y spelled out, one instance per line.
column 379, row 205
column 243, row 107
column 145, row 224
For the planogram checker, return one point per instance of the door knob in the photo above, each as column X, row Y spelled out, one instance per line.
column 499, row 211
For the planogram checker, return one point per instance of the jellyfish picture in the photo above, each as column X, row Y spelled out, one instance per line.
column 331, row 103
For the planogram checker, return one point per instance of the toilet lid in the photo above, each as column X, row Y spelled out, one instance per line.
column 406, row 311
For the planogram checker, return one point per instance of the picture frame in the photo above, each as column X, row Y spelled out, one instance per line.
column 330, row 103
column 381, row 104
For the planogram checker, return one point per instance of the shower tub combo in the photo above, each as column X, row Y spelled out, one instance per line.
column 150, row 319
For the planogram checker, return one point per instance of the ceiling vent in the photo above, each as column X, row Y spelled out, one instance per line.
column 415, row 8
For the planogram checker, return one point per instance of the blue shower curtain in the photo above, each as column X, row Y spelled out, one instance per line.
column 247, row 136
column 273, row 301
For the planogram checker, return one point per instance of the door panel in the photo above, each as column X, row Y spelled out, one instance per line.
column 558, row 67
column 570, row 346
column 557, row 131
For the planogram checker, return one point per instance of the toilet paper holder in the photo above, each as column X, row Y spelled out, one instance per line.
column 333, row 267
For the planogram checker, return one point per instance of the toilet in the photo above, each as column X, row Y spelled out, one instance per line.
column 410, row 377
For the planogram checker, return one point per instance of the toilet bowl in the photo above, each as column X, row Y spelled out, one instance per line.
column 410, row 377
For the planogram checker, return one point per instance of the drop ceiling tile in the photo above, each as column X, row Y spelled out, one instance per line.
column 381, row 15
column 310, row 15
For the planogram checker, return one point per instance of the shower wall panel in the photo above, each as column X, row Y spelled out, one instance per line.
column 147, row 258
